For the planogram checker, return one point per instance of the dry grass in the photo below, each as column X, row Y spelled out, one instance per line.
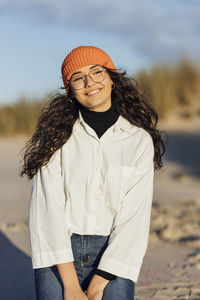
column 19, row 118
column 166, row 87
column 169, row 87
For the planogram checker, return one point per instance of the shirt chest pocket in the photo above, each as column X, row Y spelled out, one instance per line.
column 117, row 184
column 121, row 173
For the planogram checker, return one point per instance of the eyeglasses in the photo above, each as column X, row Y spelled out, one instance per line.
column 97, row 75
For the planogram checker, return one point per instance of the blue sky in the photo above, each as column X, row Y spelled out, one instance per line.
column 36, row 35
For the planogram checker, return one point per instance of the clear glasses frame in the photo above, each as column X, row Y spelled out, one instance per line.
column 97, row 75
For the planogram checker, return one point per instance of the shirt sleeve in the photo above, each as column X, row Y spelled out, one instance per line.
column 129, row 238
column 48, row 228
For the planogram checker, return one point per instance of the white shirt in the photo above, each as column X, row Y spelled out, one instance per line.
column 96, row 187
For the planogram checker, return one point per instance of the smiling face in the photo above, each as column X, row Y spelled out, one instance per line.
column 94, row 95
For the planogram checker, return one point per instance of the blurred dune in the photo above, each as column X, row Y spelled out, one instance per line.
column 184, row 150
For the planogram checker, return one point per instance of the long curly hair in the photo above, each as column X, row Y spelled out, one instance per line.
column 57, row 118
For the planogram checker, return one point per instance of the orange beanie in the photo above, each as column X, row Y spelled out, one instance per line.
column 83, row 56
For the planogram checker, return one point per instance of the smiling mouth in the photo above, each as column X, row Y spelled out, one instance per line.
column 93, row 92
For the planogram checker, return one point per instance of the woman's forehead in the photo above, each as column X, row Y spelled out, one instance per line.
column 85, row 69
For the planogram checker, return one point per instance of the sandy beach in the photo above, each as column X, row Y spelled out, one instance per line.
column 171, row 268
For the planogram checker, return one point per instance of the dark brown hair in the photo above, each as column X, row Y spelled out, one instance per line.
column 56, row 122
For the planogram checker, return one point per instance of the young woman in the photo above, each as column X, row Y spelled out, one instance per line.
column 92, row 160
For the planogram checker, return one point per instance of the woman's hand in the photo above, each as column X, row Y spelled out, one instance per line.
column 72, row 289
column 96, row 287
column 74, row 294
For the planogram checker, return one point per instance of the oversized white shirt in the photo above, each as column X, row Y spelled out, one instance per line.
column 96, row 187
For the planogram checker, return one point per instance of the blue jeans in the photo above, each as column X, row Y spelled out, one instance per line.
column 87, row 251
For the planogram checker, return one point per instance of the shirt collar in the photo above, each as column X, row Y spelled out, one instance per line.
column 120, row 125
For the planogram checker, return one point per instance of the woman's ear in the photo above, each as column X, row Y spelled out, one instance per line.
column 113, row 85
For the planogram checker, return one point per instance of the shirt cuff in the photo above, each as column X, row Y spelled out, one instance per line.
column 120, row 269
column 48, row 259
column 105, row 274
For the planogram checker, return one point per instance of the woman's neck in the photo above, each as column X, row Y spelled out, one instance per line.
column 99, row 121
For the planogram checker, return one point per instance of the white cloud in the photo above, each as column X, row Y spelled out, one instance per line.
column 154, row 29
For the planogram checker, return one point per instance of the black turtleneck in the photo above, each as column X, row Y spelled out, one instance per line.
column 99, row 121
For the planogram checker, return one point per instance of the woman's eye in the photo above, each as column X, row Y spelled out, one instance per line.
column 98, row 71
column 77, row 79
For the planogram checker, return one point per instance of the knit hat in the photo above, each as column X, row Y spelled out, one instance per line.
column 83, row 56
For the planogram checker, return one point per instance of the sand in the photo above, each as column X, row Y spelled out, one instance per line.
column 171, row 267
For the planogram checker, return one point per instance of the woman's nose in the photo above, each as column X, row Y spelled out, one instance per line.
column 88, row 81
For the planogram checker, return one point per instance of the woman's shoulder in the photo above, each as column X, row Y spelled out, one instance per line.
column 136, row 131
